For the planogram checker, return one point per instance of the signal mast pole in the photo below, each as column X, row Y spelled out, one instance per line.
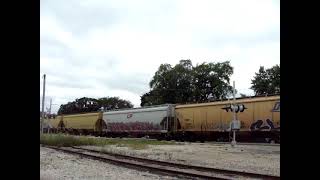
column 233, row 143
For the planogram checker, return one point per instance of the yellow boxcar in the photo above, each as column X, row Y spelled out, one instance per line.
column 90, row 122
column 261, row 114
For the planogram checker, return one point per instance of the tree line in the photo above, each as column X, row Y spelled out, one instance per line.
column 184, row 83
column 86, row 104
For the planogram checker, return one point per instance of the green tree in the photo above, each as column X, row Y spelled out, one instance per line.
column 151, row 98
column 185, row 83
column 211, row 81
column 163, row 85
column 114, row 103
column 81, row 105
column 267, row 81
column 169, row 85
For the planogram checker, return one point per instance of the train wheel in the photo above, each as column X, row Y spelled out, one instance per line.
column 168, row 137
column 191, row 138
column 272, row 141
column 181, row 138
column 159, row 137
column 178, row 137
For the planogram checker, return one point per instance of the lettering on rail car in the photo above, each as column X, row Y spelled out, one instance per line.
column 129, row 115
column 276, row 107
column 257, row 125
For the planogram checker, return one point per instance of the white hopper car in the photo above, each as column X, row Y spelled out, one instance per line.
column 153, row 120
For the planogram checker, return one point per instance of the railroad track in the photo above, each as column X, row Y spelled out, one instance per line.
column 245, row 143
column 213, row 142
column 162, row 167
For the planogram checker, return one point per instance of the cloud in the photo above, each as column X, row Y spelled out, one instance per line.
column 103, row 48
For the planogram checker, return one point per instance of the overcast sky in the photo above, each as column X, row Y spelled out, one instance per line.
column 99, row 48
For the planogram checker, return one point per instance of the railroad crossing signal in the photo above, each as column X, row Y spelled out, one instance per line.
column 235, row 108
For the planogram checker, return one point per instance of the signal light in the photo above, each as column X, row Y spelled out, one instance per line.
column 235, row 108
column 242, row 107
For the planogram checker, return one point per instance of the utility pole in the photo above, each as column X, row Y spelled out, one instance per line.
column 43, row 98
column 234, row 116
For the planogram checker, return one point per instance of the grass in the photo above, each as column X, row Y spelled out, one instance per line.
column 62, row 140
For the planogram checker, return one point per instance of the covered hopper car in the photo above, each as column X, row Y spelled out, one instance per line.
column 151, row 121
column 260, row 120
column 86, row 123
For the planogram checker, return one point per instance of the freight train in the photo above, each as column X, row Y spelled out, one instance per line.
column 259, row 121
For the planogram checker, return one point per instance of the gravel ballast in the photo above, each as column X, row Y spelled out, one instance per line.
column 249, row 158
column 56, row 165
